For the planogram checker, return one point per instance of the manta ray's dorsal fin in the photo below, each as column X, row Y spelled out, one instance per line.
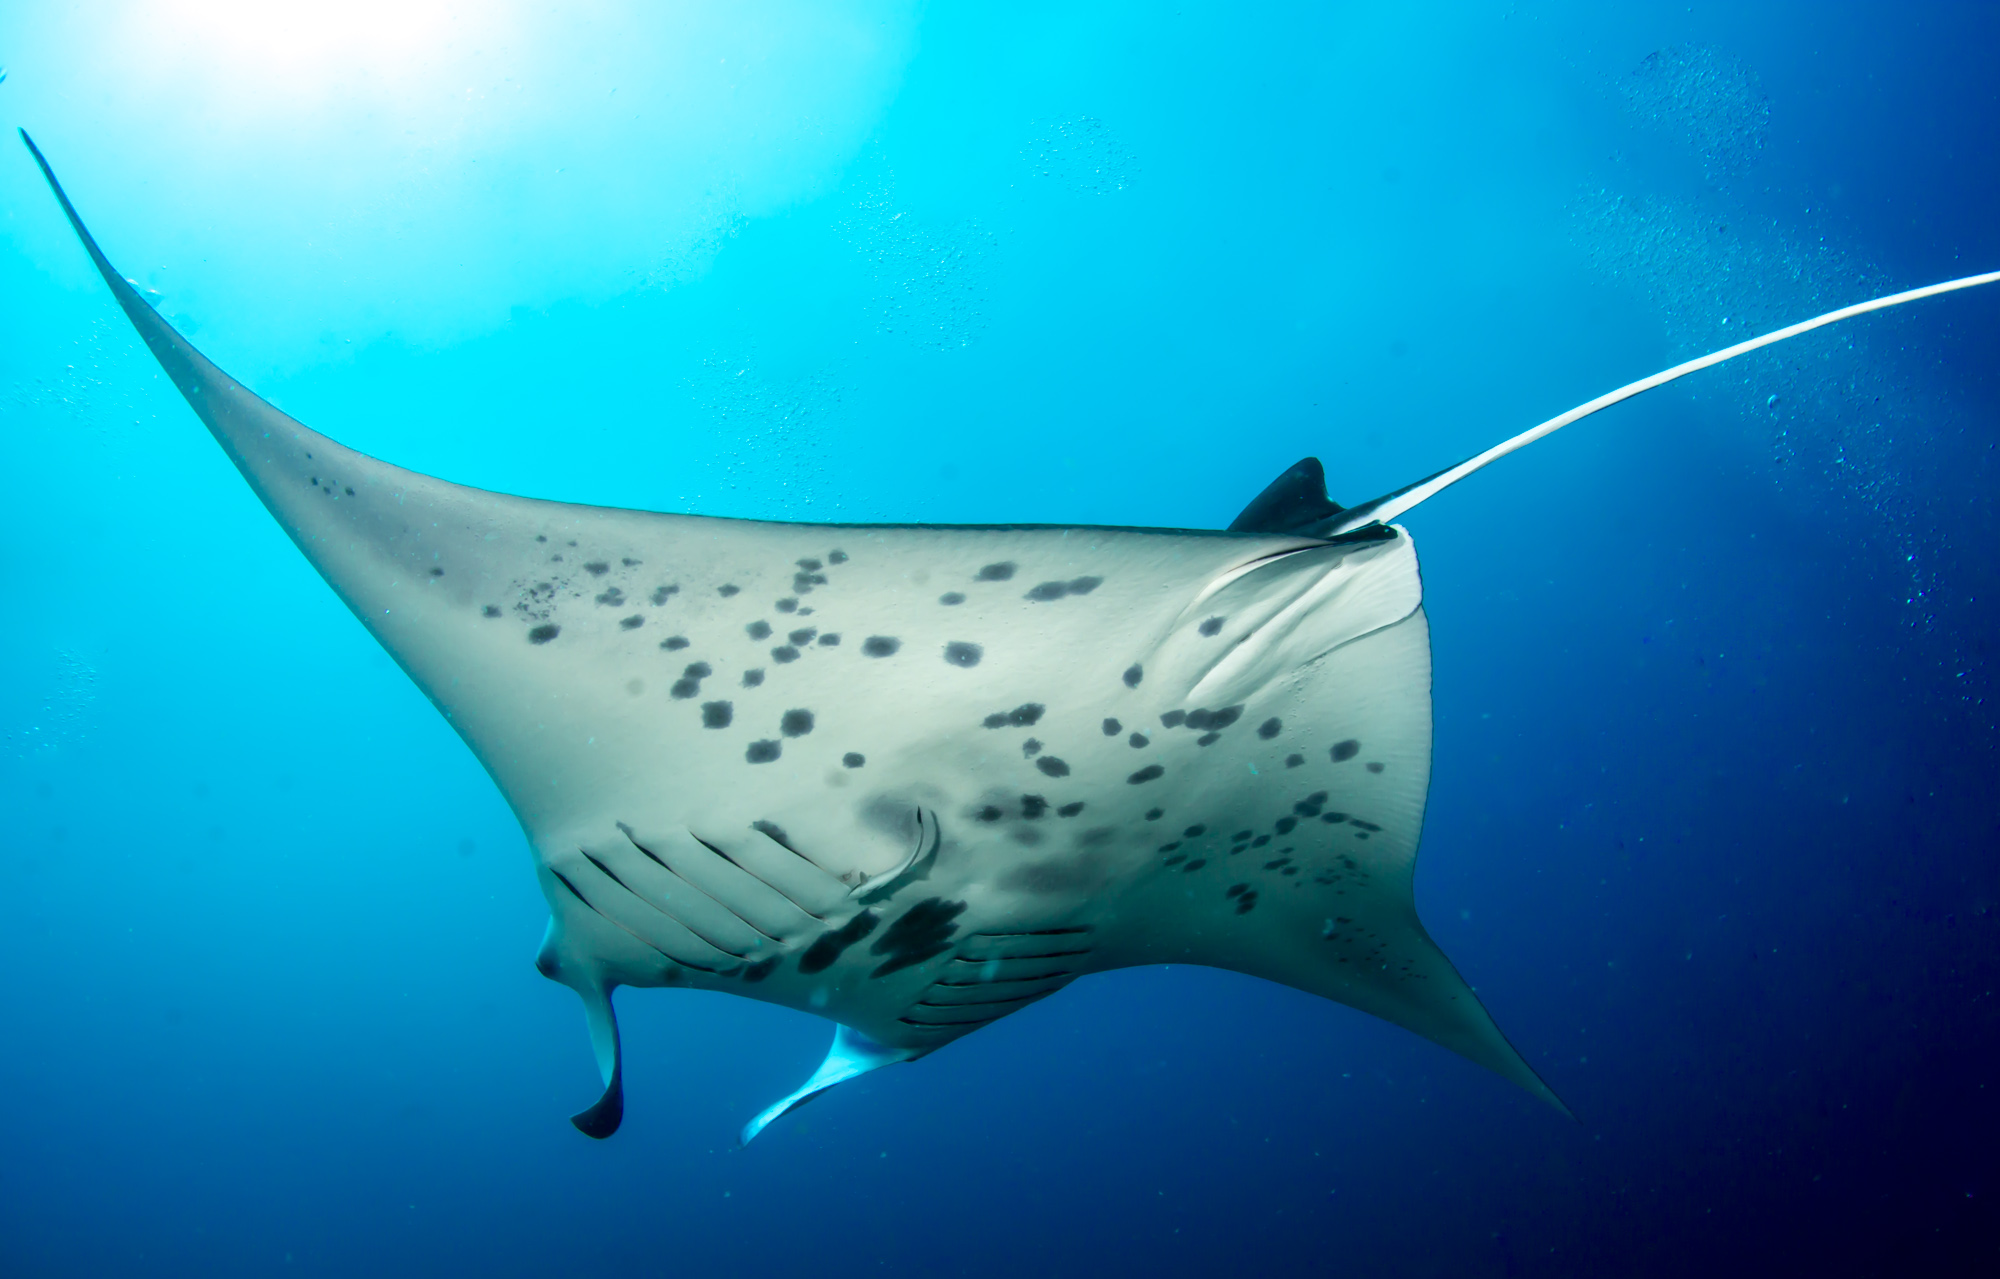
column 1293, row 502
column 1390, row 505
column 853, row 1053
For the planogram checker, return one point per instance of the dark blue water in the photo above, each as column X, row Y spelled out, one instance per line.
column 1712, row 827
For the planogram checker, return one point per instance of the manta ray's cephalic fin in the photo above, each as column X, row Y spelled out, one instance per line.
column 604, row 1116
column 853, row 1053
column 1390, row 505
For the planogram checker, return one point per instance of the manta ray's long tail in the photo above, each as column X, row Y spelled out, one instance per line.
column 1390, row 505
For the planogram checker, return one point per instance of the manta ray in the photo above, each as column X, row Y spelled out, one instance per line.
column 915, row 778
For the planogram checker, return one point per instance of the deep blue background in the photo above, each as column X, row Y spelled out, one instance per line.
column 1712, row 826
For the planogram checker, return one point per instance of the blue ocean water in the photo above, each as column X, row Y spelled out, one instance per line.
column 1712, row 826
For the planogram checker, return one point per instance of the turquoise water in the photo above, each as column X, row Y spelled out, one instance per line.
column 1710, row 825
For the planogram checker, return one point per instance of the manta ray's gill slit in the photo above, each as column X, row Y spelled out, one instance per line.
column 700, row 913
column 1069, row 931
column 988, row 1003
column 980, row 983
column 648, row 942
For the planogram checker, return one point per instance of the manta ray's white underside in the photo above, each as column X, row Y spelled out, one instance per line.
column 912, row 778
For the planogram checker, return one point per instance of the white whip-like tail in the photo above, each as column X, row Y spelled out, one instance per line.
column 1391, row 505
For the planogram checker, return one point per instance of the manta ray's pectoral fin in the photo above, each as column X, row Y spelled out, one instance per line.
column 1295, row 502
column 853, row 1053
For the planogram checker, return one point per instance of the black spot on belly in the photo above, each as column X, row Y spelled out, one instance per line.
column 1052, row 766
column 662, row 594
column 853, row 759
column 787, row 605
column 1020, row 717
column 1270, row 728
column 1194, row 865
column 1311, row 804
column 1247, row 902
column 1213, row 626
column 717, row 714
column 763, row 752
column 989, row 814
column 1293, row 761
column 437, row 572
column 753, row 677
column 1112, row 728
column 1193, row 831
column 951, row 597
column 958, row 653
column 726, row 591
column 880, row 646
column 1217, row 720
column 349, row 490
column 1033, row 806
column 809, row 564
column 830, row 640
column 803, row 636
column 631, row 623
column 1031, row 748
column 1344, row 751
column 1260, row 841
column 1333, row 819
column 674, row 643
column 629, row 562
column 544, row 633
column 761, row 969
column 836, row 557
column 1208, row 739
column 1173, row 719
column 1070, row 810
column 923, row 932
column 1149, row 773
column 820, row 955
column 758, row 630
column 1154, row 814
column 1133, row 674
column 997, row 572
column 1056, row 590
column 491, row 610
column 784, row 653
column 612, row 598
column 795, row 723
column 690, row 681
column 1374, row 767
column 1168, row 848
column 1285, row 825
column 538, row 537
column 1138, row 741
column 597, row 568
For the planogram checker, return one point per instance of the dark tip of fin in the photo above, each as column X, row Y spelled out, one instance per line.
column 1292, row 503
column 602, row 1119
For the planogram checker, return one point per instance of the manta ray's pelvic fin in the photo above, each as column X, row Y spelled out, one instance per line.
column 1293, row 503
column 853, row 1053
